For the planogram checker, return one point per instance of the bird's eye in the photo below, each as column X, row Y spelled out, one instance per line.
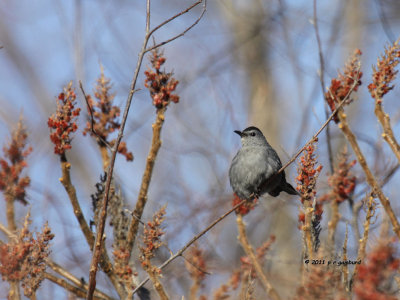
column 253, row 134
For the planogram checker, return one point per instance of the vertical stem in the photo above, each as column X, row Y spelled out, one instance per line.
column 144, row 187
column 10, row 214
column 14, row 293
column 332, row 225
column 104, row 157
column 345, row 268
column 110, row 170
column 363, row 241
column 250, row 253
column 387, row 134
column 308, row 211
column 369, row 176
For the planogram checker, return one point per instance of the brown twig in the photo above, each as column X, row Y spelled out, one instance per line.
column 343, row 125
column 250, row 253
column 188, row 244
column 308, row 211
column 144, row 187
column 103, row 213
column 71, row 191
column 363, row 241
column 387, row 134
column 15, row 293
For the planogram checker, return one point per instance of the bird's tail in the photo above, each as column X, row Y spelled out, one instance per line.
column 288, row 188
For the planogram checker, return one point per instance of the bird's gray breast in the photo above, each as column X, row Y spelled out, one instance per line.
column 251, row 169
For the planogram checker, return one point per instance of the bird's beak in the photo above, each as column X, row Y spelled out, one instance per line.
column 238, row 132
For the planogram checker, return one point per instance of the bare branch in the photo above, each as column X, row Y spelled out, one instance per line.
column 183, row 32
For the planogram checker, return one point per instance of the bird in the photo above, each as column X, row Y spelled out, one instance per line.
column 253, row 171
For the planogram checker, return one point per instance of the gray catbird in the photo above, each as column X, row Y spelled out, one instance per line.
column 253, row 169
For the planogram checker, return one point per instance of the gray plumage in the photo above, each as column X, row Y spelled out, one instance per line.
column 253, row 169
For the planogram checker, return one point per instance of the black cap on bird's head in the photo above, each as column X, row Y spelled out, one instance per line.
column 249, row 131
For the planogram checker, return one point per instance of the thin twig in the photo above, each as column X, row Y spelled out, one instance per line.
column 250, row 254
column 92, row 118
column 183, row 32
column 174, row 17
column 188, row 244
column 322, row 81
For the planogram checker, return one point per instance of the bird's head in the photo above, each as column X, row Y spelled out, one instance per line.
column 251, row 136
